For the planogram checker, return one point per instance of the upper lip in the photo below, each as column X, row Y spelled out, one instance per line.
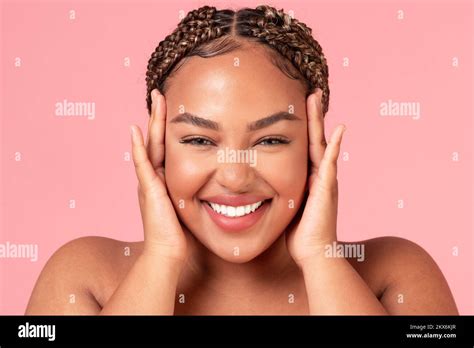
column 235, row 200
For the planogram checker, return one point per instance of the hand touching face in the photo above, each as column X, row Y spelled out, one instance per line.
column 237, row 209
column 316, row 228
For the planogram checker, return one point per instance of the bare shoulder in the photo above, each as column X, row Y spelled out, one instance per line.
column 408, row 278
column 79, row 275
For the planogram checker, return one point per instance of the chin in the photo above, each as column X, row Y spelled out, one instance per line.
column 242, row 257
column 238, row 259
column 238, row 250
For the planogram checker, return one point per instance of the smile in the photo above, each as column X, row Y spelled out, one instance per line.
column 231, row 211
column 237, row 213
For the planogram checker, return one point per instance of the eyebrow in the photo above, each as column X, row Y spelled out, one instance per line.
column 195, row 120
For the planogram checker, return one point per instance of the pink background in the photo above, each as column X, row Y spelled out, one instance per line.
column 390, row 158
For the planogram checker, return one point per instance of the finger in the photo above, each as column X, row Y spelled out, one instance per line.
column 317, row 140
column 150, row 120
column 327, row 172
column 155, row 145
column 143, row 167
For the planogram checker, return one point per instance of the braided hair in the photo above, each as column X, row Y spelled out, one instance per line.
column 207, row 32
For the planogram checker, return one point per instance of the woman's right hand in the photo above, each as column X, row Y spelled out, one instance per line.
column 164, row 236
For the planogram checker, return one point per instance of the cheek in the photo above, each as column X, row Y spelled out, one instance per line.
column 184, row 173
column 286, row 172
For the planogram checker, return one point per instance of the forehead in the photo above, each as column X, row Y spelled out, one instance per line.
column 244, row 78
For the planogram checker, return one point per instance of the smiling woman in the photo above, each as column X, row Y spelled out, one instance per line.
column 223, row 236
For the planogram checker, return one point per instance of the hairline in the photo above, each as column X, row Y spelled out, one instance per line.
column 229, row 43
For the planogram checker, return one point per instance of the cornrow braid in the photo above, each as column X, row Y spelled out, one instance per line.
column 207, row 32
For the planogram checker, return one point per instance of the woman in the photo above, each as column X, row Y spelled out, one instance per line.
column 238, row 192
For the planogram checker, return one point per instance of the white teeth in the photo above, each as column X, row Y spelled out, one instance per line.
column 240, row 211
column 231, row 211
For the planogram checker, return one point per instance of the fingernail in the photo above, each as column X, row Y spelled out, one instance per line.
column 132, row 132
column 343, row 128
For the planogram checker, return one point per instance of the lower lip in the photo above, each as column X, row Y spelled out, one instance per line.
column 236, row 223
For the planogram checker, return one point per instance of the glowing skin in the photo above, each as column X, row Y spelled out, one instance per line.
column 234, row 97
column 276, row 259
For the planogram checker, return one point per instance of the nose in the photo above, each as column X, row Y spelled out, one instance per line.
column 235, row 177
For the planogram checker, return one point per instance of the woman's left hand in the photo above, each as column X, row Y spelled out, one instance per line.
column 317, row 226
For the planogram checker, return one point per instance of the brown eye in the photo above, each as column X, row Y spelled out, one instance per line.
column 197, row 141
column 272, row 141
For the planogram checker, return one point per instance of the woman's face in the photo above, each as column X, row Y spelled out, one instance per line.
column 232, row 154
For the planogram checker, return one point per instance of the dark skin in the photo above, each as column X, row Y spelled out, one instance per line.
column 184, row 253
